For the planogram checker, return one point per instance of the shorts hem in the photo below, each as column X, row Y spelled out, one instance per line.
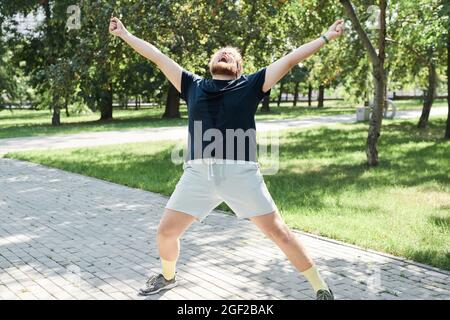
column 197, row 217
column 263, row 213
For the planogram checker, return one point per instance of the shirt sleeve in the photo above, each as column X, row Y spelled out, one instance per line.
column 256, row 81
column 187, row 80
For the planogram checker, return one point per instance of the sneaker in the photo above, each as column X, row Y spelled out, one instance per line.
column 324, row 295
column 156, row 284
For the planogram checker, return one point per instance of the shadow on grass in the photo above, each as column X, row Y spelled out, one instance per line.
column 443, row 222
column 431, row 257
column 334, row 160
column 7, row 114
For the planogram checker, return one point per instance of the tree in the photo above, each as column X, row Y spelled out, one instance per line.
column 9, row 84
column 377, row 60
column 298, row 75
column 46, row 54
column 447, row 129
column 418, row 45
column 280, row 93
column 325, row 66
column 295, row 23
column 13, row 82
column 99, row 55
column 446, row 13
column 310, row 89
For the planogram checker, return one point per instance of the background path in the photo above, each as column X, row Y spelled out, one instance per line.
column 173, row 133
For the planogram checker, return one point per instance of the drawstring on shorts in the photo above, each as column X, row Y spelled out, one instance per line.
column 214, row 172
column 211, row 163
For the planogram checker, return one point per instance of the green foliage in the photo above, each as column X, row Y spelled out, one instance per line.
column 189, row 31
column 8, row 83
column 417, row 38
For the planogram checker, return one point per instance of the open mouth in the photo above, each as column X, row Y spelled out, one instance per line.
column 223, row 59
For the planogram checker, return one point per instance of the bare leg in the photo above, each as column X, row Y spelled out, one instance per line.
column 172, row 225
column 273, row 226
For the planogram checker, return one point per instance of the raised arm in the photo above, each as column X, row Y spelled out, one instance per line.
column 170, row 68
column 278, row 69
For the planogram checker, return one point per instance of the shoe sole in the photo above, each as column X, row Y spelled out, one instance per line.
column 170, row 286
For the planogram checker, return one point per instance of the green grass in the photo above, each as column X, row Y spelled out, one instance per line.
column 24, row 123
column 323, row 186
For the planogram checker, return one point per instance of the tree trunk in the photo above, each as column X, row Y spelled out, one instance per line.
column 56, row 117
column 172, row 103
column 123, row 101
column 280, row 96
column 106, row 103
column 447, row 129
column 66, row 106
column 380, row 92
column 377, row 116
column 320, row 96
column 265, row 104
column 310, row 95
column 377, row 61
column 429, row 96
column 297, row 85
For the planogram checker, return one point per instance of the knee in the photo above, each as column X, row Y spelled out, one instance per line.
column 281, row 234
column 167, row 232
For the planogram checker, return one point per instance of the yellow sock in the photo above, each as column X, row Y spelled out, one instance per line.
column 168, row 269
column 314, row 278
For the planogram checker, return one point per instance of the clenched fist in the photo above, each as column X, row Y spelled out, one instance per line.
column 336, row 30
column 116, row 27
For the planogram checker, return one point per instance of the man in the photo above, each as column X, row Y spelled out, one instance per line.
column 226, row 103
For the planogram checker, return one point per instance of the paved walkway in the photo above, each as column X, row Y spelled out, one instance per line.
column 173, row 133
column 66, row 236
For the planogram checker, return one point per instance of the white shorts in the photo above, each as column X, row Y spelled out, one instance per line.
column 206, row 183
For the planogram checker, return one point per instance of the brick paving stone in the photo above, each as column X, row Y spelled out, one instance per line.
column 66, row 236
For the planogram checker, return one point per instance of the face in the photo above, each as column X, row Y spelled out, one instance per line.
column 224, row 62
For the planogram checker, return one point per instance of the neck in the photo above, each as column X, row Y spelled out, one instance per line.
column 223, row 77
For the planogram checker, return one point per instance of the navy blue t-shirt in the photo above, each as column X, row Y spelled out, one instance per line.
column 222, row 115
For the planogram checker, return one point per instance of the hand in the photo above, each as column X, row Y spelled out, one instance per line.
column 336, row 30
column 116, row 27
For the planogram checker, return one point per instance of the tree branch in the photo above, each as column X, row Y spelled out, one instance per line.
column 418, row 54
column 382, row 33
column 348, row 7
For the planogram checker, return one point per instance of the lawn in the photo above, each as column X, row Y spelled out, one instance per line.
column 23, row 123
column 401, row 207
